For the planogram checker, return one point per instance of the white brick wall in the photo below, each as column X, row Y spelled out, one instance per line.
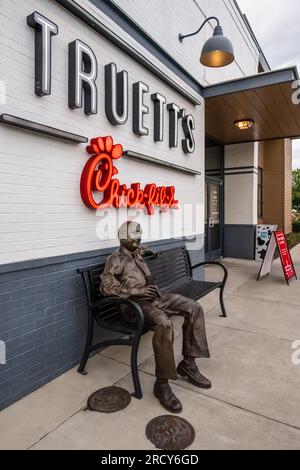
column 40, row 206
column 41, row 210
column 164, row 19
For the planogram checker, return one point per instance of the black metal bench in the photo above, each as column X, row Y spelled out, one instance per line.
column 172, row 272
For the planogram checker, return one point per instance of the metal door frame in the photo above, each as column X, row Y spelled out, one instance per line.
column 220, row 180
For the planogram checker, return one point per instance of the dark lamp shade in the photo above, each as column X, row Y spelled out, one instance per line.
column 217, row 51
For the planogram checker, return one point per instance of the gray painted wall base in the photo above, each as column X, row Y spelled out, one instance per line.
column 43, row 318
column 239, row 241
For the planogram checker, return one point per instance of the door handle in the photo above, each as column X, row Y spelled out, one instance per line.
column 211, row 223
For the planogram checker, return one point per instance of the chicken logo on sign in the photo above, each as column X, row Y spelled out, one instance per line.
column 98, row 176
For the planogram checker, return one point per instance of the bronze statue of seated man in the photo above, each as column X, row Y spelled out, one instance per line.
column 127, row 275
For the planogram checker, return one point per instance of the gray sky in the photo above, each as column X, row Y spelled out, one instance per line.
column 276, row 25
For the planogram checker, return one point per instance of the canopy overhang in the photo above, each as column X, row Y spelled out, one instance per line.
column 266, row 98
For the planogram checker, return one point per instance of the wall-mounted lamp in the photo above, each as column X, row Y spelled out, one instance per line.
column 244, row 124
column 218, row 50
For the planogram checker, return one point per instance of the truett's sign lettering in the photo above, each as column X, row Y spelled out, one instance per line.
column 83, row 73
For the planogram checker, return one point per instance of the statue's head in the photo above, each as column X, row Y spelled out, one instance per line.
column 130, row 235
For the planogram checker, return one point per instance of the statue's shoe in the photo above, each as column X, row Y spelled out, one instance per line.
column 193, row 375
column 167, row 398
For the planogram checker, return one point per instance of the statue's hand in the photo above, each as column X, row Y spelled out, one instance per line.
column 149, row 292
column 147, row 252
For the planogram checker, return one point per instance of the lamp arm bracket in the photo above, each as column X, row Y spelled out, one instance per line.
column 181, row 37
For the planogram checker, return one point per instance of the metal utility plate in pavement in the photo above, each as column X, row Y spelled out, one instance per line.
column 109, row 400
column 170, row 432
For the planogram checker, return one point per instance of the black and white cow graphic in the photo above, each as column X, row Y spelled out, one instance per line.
column 264, row 233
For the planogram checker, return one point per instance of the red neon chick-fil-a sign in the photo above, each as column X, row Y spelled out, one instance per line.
column 98, row 176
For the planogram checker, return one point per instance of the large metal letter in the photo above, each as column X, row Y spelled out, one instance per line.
column 2, row 353
column 116, row 95
column 83, row 71
column 188, row 126
column 174, row 111
column 139, row 108
column 44, row 29
column 159, row 102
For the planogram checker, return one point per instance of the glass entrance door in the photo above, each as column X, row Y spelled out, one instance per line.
column 213, row 222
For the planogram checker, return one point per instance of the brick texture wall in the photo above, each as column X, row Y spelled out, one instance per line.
column 261, row 164
column 275, row 157
column 288, row 183
column 42, row 323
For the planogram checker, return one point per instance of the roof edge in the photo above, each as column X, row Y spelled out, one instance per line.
column 251, row 82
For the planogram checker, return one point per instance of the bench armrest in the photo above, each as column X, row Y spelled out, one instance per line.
column 214, row 263
column 136, row 309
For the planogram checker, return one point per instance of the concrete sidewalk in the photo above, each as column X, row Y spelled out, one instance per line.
column 254, row 402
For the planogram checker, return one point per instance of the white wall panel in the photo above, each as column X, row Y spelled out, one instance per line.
column 41, row 212
column 241, row 189
column 164, row 19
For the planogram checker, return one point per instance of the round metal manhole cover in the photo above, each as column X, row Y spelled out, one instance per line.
column 109, row 400
column 170, row 433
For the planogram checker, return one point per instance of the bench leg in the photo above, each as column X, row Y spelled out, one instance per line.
column 89, row 338
column 224, row 314
column 134, row 371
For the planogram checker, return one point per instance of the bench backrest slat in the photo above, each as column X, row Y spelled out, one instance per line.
column 94, row 276
column 171, row 268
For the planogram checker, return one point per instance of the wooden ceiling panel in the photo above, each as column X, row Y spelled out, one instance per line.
column 270, row 107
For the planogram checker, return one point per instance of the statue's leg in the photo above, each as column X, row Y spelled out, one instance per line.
column 194, row 332
column 194, row 337
column 165, row 367
column 163, row 339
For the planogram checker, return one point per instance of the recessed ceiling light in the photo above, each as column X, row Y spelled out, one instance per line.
column 244, row 124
